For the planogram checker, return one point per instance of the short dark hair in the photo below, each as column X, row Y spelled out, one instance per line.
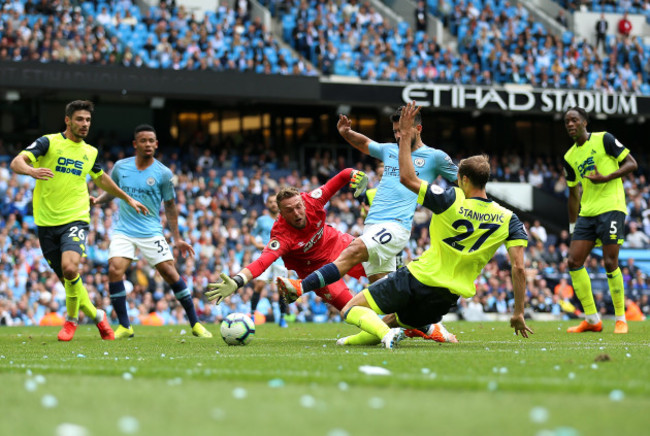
column 79, row 105
column 476, row 168
column 395, row 117
column 583, row 113
column 143, row 128
column 286, row 192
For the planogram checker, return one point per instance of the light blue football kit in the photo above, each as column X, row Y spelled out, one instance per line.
column 393, row 201
column 150, row 187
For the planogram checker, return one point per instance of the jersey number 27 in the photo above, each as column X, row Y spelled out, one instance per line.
column 454, row 241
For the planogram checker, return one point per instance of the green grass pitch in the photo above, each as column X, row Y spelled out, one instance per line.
column 297, row 381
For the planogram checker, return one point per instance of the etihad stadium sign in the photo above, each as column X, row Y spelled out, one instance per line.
column 518, row 99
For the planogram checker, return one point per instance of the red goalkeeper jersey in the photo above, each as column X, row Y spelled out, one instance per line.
column 307, row 249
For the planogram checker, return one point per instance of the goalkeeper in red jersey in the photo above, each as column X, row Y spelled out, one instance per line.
column 302, row 238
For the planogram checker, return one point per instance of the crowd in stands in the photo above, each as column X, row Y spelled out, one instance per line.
column 608, row 6
column 219, row 198
column 164, row 36
column 498, row 42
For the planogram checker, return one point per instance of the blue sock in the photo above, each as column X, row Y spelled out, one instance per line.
column 320, row 278
column 183, row 295
column 118, row 300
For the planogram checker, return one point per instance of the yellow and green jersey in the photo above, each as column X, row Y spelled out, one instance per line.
column 602, row 152
column 465, row 233
column 370, row 195
column 63, row 198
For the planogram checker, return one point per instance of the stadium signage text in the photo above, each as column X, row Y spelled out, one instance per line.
column 555, row 100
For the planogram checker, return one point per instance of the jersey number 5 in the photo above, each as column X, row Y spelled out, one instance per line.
column 454, row 241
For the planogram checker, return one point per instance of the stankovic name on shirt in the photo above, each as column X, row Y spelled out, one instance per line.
column 488, row 217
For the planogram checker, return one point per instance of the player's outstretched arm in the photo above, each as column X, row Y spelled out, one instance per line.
column 355, row 139
column 407, row 176
column 104, row 197
column 219, row 290
column 21, row 165
column 107, row 184
column 171, row 212
column 517, row 321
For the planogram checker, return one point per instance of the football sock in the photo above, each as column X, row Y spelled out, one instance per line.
column 284, row 307
column 367, row 320
column 72, row 298
column 255, row 300
column 362, row 338
column 118, row 300
column 320, row 278
column 85, row 304
column 617, row 290
column 183, row 295
column 582, row 286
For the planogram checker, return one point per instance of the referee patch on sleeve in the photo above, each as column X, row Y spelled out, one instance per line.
column 274, row 245
column 618, row 143
column 436, row 189
column 316, row 193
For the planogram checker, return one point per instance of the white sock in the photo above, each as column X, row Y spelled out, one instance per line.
column 100, row 316
column 621, row 318
column 592, row 319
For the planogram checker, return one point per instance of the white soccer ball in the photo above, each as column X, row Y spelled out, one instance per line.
column 237, row 329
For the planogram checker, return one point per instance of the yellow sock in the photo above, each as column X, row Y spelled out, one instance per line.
column 582, row 286
column 367, row 320
column 71, row 298
column 617, row 290
column 85, row 304
column 362, row 338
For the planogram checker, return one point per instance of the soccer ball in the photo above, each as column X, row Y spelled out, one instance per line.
column 237, row 329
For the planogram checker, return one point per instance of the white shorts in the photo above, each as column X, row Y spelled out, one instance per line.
column 383, row 241
column 277, row 269
column 154, row 249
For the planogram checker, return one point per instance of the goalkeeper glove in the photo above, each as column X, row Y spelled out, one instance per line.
column 358, row 182
column 219, row 291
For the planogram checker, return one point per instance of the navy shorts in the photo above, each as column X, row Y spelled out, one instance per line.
column 414, row 303
column 608, row 227
column 58, row 239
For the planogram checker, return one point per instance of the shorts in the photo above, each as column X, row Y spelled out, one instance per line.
column 384, row 241
column 59, row 239
column 414, row 303
column 608, row 227
column 154, row 249
column 335, row 294
column 277, row 269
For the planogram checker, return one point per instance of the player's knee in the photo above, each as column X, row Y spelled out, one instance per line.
column 115, row 273
column 573, row 263
column 611, row 263
column 70, row 270
column 346, row 310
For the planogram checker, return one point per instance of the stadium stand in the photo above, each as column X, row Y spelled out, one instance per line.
column 498, row 43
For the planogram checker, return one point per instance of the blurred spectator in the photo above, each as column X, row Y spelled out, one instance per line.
column 421, row 17
column 601, row 31
column 624, row 26
column 636, row 238
column 562, row 19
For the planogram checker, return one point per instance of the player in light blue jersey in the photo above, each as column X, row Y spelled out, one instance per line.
column 143, row 177
column 262, row 234
column 388, row 224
